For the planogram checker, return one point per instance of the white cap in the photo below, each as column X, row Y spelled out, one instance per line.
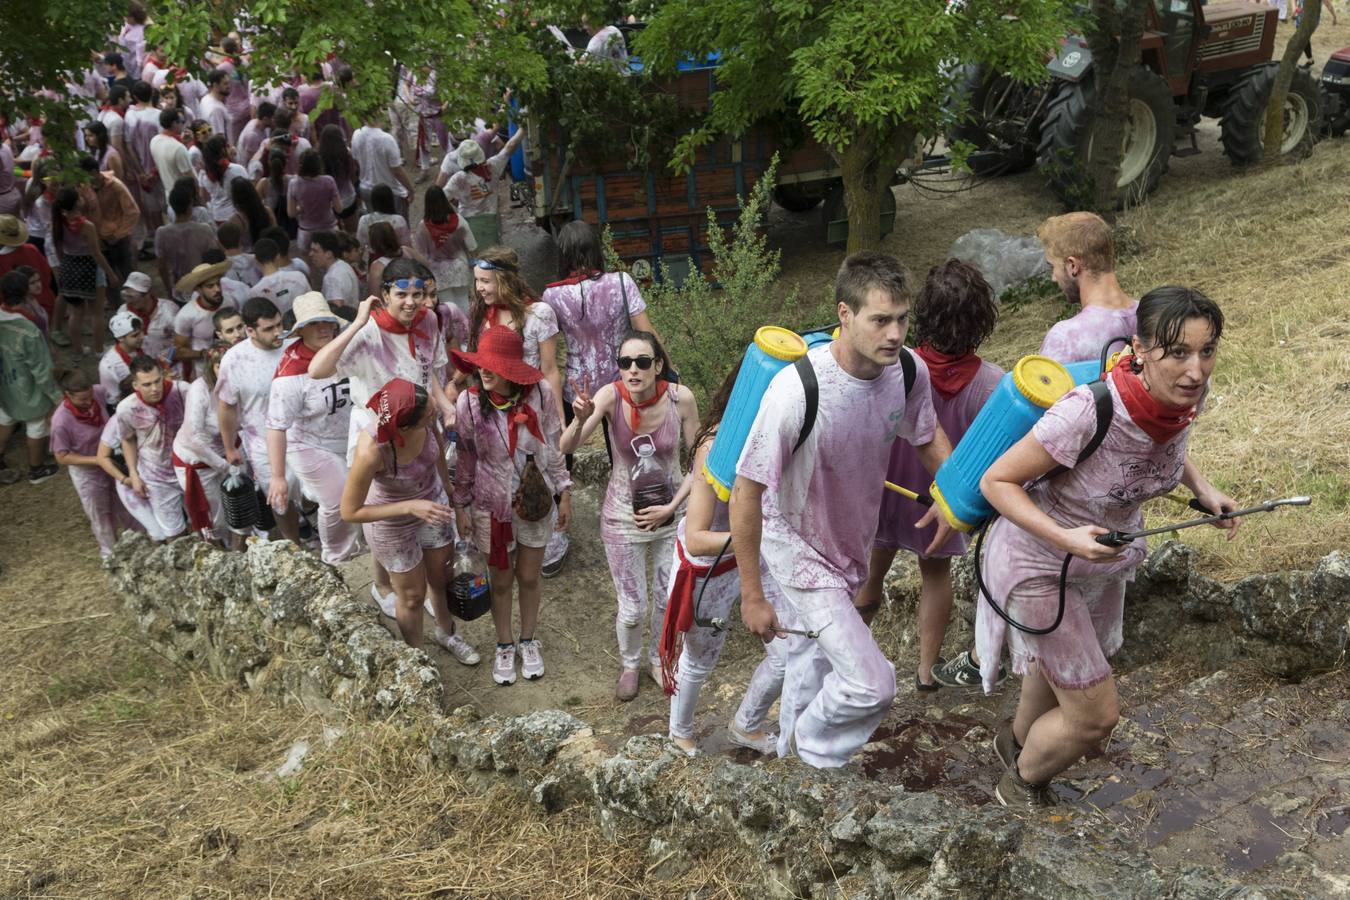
column 138, row 282
column 123, row 324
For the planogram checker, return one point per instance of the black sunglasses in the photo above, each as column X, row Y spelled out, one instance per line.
column 643, row 362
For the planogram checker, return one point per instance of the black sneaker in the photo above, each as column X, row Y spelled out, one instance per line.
column 39, row 474
column 553, row 568
column 961, row 672
column 8, row 475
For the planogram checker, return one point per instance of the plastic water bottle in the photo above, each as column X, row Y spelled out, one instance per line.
column 469, row 587
column 649, row 482
column 451, row 440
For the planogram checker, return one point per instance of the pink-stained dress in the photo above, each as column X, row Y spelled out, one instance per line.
column 397, row 543
column 1082, row 336
column 1022, row 573
column 592, row 318
column 895, row 525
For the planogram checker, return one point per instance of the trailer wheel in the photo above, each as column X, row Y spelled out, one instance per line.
column 1066, row 138
column 995, row 121
column 1244, row 115
column 796, row 198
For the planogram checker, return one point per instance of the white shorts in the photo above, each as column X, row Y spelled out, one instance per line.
column 33, row 428
column 526, row 534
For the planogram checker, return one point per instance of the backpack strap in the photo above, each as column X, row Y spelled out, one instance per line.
column 1105, row 411
column 909, row 369
column 811, row 387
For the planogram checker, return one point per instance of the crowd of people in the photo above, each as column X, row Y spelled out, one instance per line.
column 396, row 386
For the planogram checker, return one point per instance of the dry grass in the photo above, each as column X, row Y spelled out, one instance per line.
column 1273, row 249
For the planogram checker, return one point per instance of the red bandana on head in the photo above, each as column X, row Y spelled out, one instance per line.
column 1158, row 420
column 948, row 373
column 388, row 323
column 577, row 276
column 393, row 406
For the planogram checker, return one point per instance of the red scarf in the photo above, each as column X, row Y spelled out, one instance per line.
column 148, row 317
column 518, row 413
column 441, row 231
column 176, row 137
column 221, row 168
column 576, row 276
column 295, row 360
column 388, row 323
column 25, row 312
column 500, row 538
column 163, row 398
column 201, row 303
column 483, row 171
column 112, row 109
column 75, row 223
column 635, row 409
column 680, row 611
column 1158, row 420
column 126, row 357
column 194, row 497
column 948, row 373
column 494, row 311
column 92, row 414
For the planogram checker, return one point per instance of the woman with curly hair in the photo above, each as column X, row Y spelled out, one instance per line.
column 953, row 315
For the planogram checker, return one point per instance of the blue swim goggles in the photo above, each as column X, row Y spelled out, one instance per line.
column 405, row 284
column 488, row 264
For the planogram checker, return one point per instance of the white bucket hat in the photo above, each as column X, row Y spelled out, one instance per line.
column 468, row 153
column 309, row 308
column 138, row 282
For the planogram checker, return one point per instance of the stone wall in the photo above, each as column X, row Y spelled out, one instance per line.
column 278, row 621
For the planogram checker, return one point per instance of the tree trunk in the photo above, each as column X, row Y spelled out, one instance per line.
column 1274, row 129
column 1114, row 38
column 868, row 165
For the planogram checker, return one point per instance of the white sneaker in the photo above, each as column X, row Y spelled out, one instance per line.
column 504, row 666
column 426, row 605
column 386, row 602
column 459, row 648
column 531, row 660
column 767, row 743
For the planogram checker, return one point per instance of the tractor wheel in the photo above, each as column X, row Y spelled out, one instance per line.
column 995, row 120
column 1066, row 138
column 1244, row 115
column 794, row 198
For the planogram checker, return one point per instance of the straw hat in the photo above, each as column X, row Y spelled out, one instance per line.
column 202, row 273
column 501, row 351
column 13, row 231
column 468, row 153
column 309, row 308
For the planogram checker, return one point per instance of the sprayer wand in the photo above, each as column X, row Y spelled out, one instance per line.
column 1121, row 538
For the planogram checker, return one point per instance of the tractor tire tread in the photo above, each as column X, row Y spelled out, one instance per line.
column 1244, row 114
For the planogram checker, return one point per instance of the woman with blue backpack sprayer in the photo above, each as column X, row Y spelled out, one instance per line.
column 1068, row 702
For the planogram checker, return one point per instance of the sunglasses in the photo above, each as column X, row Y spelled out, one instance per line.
column 407, row 284
column 642, row 362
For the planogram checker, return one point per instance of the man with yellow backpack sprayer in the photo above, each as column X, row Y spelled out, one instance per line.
column 814, row 511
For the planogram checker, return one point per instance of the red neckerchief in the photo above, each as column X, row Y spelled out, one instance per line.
column 23, row 311
column 93, row 414
column 126, row 357
column 482, row 170
column 176, row 137
column 219, row 174
column 948, row 373
column 76, row 222
column 163, row 398
column 388, row 323
column 635, row 409
column 518, row 412
column 150, row 316
column 295, row 360
column 112, row 109
column 1158, row 420
column 441, row 231
column 576, row 276
column 680, row 611
column 494, row 311
column 209, row 309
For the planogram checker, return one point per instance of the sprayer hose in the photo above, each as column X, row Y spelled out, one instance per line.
column 984, row 591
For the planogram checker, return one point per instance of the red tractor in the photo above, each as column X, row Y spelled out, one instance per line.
column 1196, row 60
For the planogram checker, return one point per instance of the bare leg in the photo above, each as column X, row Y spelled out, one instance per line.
column 501, row 584
column 529, row 562
column 98, row 325
column 873, row 589
column 1058, row 738
column 380, row 575
column 1036, row 699
column 935, row 611
column 288, row 523
column 37, row 451
column 411, row 590
column 75, row 327
column 434, row 560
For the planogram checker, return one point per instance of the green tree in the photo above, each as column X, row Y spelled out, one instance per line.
column 1115, row 31
column 1276, row 112
column 866, row 77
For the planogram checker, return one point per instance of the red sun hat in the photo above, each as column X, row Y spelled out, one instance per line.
column 502, row 352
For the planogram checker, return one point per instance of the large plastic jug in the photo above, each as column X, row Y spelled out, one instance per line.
column 240, row 498
column 649, row 482
column 1018, row 402
column 470, row 593
column 772, row 350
